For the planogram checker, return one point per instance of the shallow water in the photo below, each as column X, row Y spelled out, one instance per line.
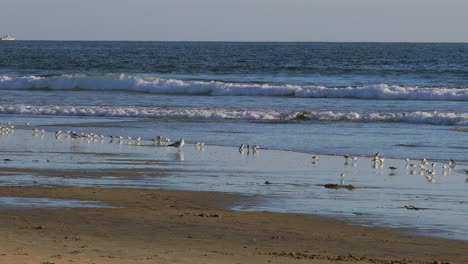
column 29, row 203
column 296, row 181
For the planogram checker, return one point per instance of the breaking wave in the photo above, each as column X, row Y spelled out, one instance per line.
column 436, row 118
column 147, row 84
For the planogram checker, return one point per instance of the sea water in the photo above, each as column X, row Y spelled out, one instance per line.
column 404, row 100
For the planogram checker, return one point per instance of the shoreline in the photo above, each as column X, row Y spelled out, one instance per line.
column 176, row 226
column 104, row 124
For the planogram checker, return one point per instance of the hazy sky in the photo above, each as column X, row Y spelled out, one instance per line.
column 237, row 20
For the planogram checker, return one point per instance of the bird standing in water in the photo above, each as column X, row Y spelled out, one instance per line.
column 177, row 144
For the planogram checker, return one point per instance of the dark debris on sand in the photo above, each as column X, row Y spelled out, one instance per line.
column 411, row 207
column 339, row 186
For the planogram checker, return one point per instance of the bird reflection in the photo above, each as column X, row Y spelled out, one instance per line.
column 179, row 156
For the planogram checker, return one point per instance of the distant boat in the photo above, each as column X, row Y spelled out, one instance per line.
column 7, row 37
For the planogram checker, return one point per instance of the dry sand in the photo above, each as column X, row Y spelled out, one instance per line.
column 160, row 226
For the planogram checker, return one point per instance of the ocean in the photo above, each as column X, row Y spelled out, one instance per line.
column 404, row 100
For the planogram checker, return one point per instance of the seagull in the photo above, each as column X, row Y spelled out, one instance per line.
column 177, row 144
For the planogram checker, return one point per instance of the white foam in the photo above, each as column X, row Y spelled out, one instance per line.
column 436, row 118
column 133, row 83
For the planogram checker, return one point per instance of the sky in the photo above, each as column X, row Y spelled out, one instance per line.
column 237, row 20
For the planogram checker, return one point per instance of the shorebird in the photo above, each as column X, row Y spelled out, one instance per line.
column 452, row 163
column 342, row 178
column 376, row 157
column 241, row 148
column 177, row 144
column 424, row 162
column 393, row 168
column 315, row 157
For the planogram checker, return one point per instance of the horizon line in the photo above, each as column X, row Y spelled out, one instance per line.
column 248, row 41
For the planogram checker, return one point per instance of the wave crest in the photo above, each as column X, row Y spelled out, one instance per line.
column 436, row 118
column 147, row 84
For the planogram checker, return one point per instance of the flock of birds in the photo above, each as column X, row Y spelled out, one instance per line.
column 254, row 149
column 90, row 137
column 93, row 137
column 425, row 170
column 378, row 161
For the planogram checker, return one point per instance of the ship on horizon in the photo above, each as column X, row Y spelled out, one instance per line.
column 7, row 37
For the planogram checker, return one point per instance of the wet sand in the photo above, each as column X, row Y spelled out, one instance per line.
column 161, row 226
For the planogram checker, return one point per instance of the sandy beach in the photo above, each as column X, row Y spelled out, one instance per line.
column 160, row 226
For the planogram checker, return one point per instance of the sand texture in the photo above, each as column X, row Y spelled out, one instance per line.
column 160, row 226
